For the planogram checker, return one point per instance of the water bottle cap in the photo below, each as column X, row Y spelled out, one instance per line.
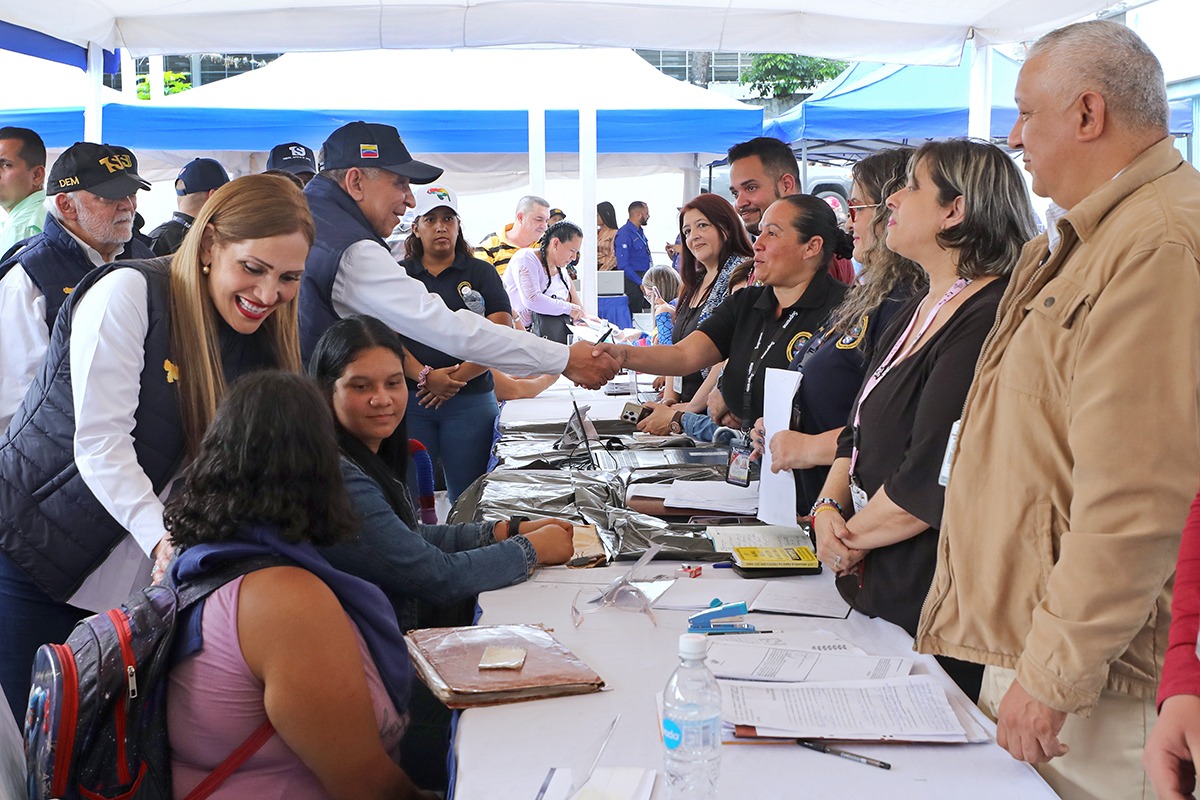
column 693, row 645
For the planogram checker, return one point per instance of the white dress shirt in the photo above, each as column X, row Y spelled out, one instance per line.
column 107, row 353
column 369, row 281
column 26, row 336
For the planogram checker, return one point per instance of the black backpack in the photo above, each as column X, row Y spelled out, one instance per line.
column 96, row 725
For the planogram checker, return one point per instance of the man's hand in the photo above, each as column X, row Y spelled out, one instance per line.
column 1028, row 728
column 659, row 420
column 593, row 365
column 1174, row 747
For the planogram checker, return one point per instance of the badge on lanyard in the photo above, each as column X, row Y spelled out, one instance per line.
column 858, row 495
column 951, row 446
column 739, row 464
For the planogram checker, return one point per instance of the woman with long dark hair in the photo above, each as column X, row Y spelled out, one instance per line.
column 303, row 647
column 606, row 231
column 138, row 361
column 427, row 571
column 714, row 244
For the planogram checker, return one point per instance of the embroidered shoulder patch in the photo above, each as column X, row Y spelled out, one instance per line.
column 856, row 335
column 798, row 341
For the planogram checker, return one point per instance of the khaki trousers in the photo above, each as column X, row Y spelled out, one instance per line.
column 1105, row 762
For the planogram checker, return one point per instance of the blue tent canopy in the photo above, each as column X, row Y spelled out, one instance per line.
column 903, row 103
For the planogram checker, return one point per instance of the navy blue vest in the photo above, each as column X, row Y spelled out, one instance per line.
column 55, row 263
column 339, row 224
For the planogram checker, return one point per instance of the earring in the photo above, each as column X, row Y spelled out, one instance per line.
column 205, row 269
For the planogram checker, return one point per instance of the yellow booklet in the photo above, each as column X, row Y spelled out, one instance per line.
column 798, row 560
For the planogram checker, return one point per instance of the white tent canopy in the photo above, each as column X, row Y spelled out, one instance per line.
column 913, row 31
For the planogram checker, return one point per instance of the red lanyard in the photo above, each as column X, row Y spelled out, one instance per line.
column 894, row 357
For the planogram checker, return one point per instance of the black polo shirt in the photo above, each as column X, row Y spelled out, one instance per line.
column 747, row 319
column 467, row 272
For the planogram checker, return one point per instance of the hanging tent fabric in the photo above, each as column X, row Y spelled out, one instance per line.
column 896, row 103
column 916, row 31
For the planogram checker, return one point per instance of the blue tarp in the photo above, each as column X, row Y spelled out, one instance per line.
column 34, row 43
column 894, row 103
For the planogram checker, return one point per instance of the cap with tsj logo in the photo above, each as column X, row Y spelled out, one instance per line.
column 293, row 157
column 370, row 144
column 434, row 196
column 105, row 170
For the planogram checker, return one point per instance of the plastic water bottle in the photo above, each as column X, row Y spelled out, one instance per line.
column 474, row 301
column 692, row 724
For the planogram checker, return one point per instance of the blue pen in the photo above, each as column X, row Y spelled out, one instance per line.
column 723, row 565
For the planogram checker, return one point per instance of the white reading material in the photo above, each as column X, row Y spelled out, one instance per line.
column 818, row 641
column 806, row 595
column 764, row 663
column 713, row 496
column 727, row 537
column 606, row 783
column 911, row 708
column 777, row 495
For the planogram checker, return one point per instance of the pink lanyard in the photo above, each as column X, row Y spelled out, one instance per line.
column 892, row 359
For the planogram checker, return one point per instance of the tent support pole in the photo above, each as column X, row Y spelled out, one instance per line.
column 537, row 151
column 588, row 174
column 979, row 104
column 93, row 125
column 128, row 75
column 804, row 166
column 691, row 180
column 157, row 78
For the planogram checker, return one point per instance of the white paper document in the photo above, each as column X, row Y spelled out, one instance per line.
column 606, row 783
column 804, row 595
column 818, row 641
column 765, row 663
column 777, row 495
column 911, row 708
column 713, row 496
column 727, row 537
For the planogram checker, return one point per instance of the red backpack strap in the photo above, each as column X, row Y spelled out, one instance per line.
column 231, row 764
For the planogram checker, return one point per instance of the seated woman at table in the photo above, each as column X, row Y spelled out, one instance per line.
column 539, row 290
column 835, row 362
column 761, row 326
column 660, row 287
column 452, row 407
column 359, row 362
column 964, row 216
column 305, row 647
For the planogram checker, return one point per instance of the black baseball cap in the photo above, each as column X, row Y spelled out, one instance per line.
column 200, row 175
column 105, row 170
column 370, row 144
column 293, row 157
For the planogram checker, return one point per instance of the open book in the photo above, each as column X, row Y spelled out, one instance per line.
column 449, row 661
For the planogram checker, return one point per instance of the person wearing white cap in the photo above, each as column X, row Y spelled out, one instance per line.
column 452, row 405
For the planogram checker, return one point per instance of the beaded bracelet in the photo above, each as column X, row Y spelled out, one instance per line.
column 824, row 503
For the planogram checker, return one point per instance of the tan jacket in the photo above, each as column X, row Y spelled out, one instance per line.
column 1079, row 451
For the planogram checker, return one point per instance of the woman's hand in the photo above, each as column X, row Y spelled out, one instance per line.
column 576, row 312
column 440, row 386
column 659, row 421
column 162, row 554
column 790, row 450
column 757, row 434
column 830, row 527
column 553, row 543
column 1174, row 747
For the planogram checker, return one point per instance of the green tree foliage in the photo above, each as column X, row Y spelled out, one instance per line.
column 173, row 83
column 777, row 74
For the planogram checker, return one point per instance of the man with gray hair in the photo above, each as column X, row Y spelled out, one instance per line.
column 1078, row 452
column 533, row 217
column 91, row 199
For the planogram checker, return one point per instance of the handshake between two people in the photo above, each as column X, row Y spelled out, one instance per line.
column 593, row 365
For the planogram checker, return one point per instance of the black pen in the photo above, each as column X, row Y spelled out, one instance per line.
column 607, row 333
column 833, row 751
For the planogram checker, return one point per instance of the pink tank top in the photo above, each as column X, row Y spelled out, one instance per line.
column 215, row 703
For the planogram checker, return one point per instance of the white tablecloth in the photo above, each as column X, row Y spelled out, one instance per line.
column 505, row 751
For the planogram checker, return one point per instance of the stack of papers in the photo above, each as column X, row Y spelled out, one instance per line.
column 805, row 596
column 713, row 496
column 726, row 537
column 734, row 657
column 913, row 708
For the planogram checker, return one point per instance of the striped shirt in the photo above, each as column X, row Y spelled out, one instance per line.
column 497, row 249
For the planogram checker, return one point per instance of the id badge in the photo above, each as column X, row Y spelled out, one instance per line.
column 739, row 465
column 858, row 495
column 948, row 458
column 677, row 384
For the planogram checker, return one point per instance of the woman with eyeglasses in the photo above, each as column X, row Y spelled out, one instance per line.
column 963, row 215
column 835, row 362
